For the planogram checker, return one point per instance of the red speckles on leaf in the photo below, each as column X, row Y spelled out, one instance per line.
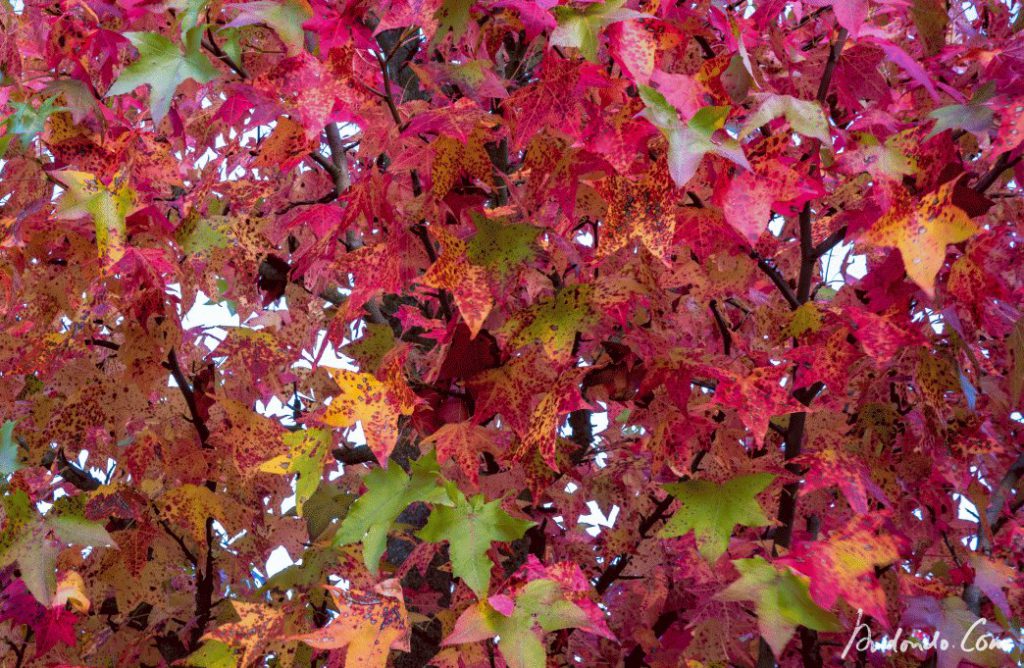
column 369, row 623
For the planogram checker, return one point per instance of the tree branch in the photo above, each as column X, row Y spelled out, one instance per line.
column 190, row 399
column 1002, row 163
column 722, row 328
column 777, row 279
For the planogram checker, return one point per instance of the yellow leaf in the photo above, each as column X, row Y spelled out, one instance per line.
column 466, row 281
column 369, row 624
column 71, row 589
column 366, row 400
column 108, row 206
column 805, row 319
column 921, row 232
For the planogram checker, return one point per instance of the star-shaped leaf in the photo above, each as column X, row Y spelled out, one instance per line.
column 389, row 491
column 257, row 625
column 163, row 67
column 371, row 402
column 466, row 281
column 520, row 623
column 580, row 27
column 643, row 209
column 34, row 541
column 921, row 231
column 844, row 565
column 687, row 144
column 781, row 601
column 369, row 623
column 711, row 510
column 804, row 116
column 108, row 205
column 470, row 526
column 500, row 246
column 285, row 18
column 306, row 451
column 553, row 323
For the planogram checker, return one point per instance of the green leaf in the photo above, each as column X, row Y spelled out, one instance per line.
column 285, row 18
column 804, row 116
column 782, row 601
column 326, row 504
column 163, row 67
column 453, row 16
column 972, row 117
column 540, row 605
column 579, row 28
column 27, row 121
column 212, row 654
column 307, row 449
column 369, row 349
column 67, row 521
column 27, row 541
column 470, row 526
column 200, row 236
column 388, row 492
column 8, row 449
column 108, row 205
column 687, row 144
column 500, row 246
column 711, row 510
column 190, row 10
column 554, row 323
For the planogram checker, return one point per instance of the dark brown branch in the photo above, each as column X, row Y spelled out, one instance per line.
column 777, row 279
column 723, row 328
column 101, row 343
column 1003, row 163
column 190, row 399
column 830, row 242
column 218, row 53
column 352, row 456
column 339, row 159
column 79, row 478
column 830, row 65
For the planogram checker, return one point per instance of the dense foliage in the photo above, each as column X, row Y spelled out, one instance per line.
column 614, row 333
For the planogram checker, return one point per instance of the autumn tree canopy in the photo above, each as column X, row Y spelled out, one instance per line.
column 552, row 333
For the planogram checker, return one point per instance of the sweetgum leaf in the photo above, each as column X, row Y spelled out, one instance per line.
column 711, row 510
column 369, row 401
column 499, row 246
column 108, row 205
column 285, row 18
column 470, row 526
column 804, row 116
column 305, row 458
column 687, row 144
column 579, row 28
column 539, row 607
column 921, row 230
column 781, row 601
column 369, row 624
column 389, row 491
column 163, row 67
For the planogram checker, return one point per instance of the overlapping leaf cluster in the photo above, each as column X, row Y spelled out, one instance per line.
column 623, row 332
